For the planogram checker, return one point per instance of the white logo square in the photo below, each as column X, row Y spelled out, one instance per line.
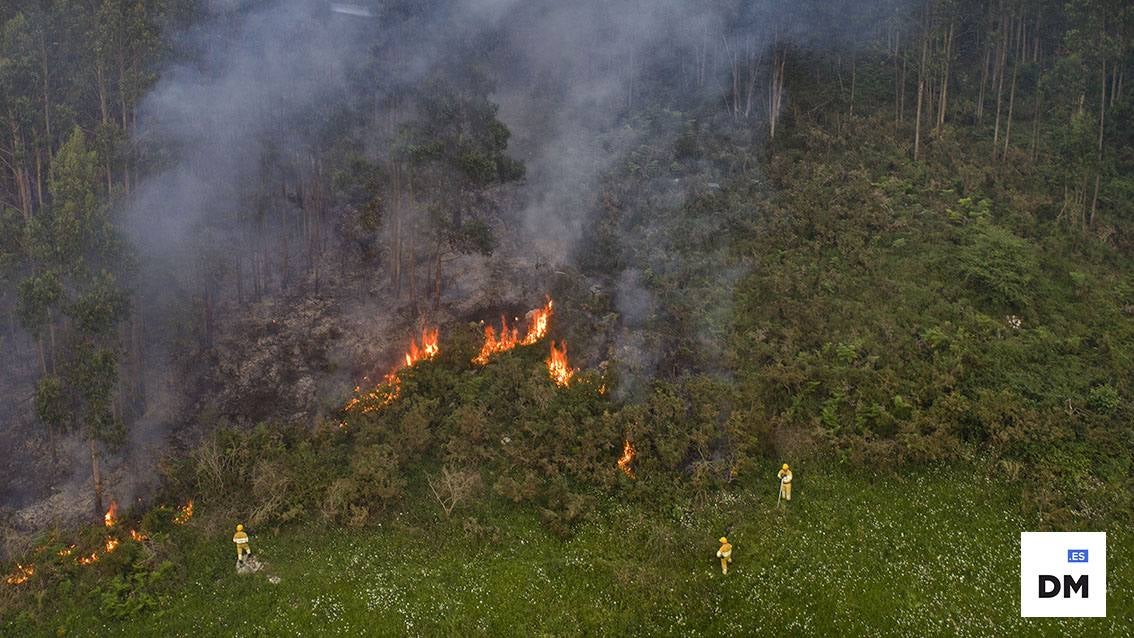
column 1062, row 574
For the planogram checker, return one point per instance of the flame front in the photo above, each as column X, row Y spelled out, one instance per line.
column 391, row 386
column 509, row 336
column 138, row 537
column 184, row 513
column 557, row 365
column 66, row 551
column 87, row 560
column 111, row 544
column 111, row 515
column 627, row 458
column 538, row 324
column 507, row 340
column 21, row 575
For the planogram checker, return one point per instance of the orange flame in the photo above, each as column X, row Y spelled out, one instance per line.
column 509, row 336
column 184, row 513
column 557, row 366
column 138, row 537
column 111, row 516
column 627, row 458
column 538, row 322
column 87, row 560
column 21, row 575
column 111, row 544
column 385, row 392
column 66, row 551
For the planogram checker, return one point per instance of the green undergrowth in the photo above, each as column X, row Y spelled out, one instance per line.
column 934, row 553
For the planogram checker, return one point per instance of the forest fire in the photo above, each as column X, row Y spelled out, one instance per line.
column 390, row 387
column 21, row 575
column 138, row 537
column 87, row 560
column 184, row 513
column 111, row 516
column 66, row 551
column 111, row 544
column 557, row 365
column 624, row 461
column 509, row 336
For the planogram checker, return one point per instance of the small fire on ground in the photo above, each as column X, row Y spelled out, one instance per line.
column 627, row 458
column 557, row 366
column 184, row 513
column 21, row 575
column 111, row 516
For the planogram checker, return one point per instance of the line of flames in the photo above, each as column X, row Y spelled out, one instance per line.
column 21, row 575
column 110, row 519
column 385, row 392
column 539, row 319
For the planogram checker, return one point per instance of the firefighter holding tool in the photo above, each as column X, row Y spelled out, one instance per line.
column 785, row 482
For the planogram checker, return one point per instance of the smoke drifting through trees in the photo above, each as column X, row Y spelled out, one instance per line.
column 237, row 204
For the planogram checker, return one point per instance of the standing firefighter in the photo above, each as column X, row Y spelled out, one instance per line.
column 725, row 554
column 242, row 548
column 785, row 482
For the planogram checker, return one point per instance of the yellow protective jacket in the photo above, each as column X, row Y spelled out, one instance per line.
column 725, row 552
column 241, row 540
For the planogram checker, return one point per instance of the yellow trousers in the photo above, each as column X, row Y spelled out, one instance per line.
column 242, row 550
column 785, row 489
column 724, row 565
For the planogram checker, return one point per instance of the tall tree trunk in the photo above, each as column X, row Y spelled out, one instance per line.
column 104, row 108
column 897, row 79
column 921, row 83
column 96, row 474
column 1011, row 105
column 1000, row 67
column 1102, row 128
column 945, row 76
column 1036, row 121
column 983, row 81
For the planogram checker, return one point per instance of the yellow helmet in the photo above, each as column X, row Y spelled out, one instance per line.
column 723, row 540
column 240, row 528
column 785, row 466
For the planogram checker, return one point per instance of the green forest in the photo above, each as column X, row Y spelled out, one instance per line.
column 491, row 317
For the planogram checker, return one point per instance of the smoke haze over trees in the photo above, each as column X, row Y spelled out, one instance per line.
column 224, row 213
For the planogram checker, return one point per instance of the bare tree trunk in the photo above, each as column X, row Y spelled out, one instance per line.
column 983, row 81
column 1000, row 66
column 1011, row 104
column 945, row 76
column 1099, row 168
column 921, row 83
column 104, row 107
column 1036, row 121
column 96, row 475
column 779, row 59
column 897, row 79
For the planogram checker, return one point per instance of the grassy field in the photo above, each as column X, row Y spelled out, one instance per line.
column 935, row 554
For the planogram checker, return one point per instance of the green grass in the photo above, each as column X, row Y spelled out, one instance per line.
column 931, row 554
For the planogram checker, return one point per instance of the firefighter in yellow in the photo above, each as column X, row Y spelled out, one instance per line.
column 725, row 554
column 242, row 547
column 785, row 482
